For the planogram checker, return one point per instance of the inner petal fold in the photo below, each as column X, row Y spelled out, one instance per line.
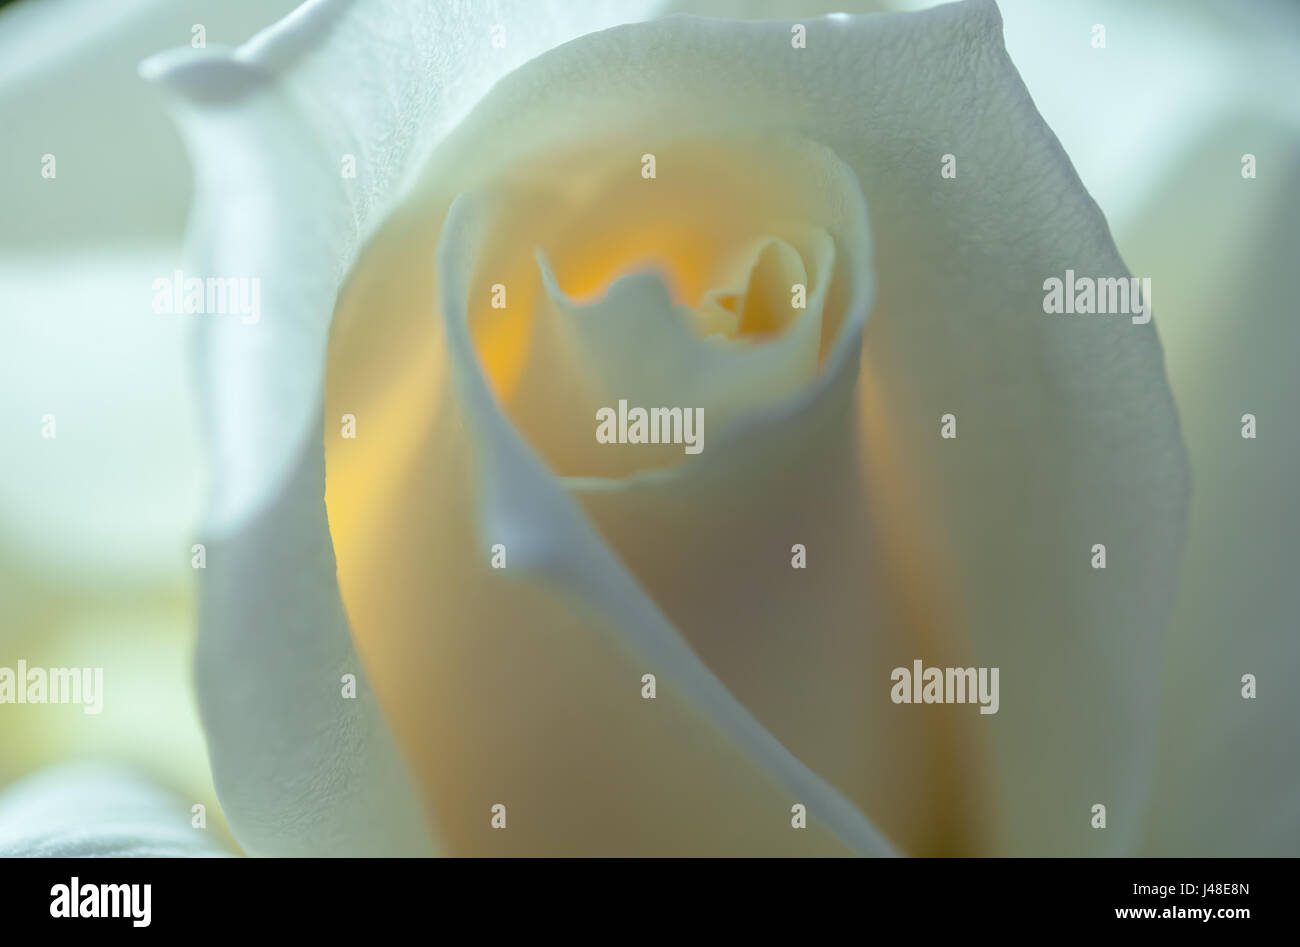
column 636, row 346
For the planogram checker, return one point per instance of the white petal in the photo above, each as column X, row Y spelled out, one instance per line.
column 1229, row 767
column 777, row 9
column 143, row 714
column 298, row 769
column 81, row 340
column 95, row 811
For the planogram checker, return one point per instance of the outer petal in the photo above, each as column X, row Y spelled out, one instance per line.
column 1199, row 85
column 1229, row 767
column 95, row 523
column 298, row 769
column 777, row 9
column 84, row 810
column 1169, row 72
column 77, row 255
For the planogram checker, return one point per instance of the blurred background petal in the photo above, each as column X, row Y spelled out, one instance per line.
column 90, row 811
column 1229, row 777
column 96, row 522
column 69, row 87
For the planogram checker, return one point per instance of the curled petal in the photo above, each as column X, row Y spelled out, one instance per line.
column 525, row 686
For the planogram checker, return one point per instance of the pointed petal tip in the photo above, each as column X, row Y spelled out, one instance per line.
column 215, row 74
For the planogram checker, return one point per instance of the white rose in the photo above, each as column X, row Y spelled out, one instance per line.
column 523, row 686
